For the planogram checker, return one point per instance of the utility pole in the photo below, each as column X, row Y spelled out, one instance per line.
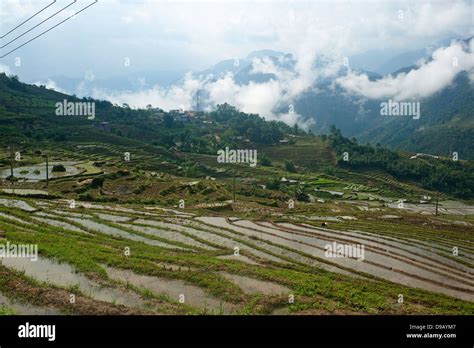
column 197, row 101
column 47, row 170
column 436, row 212
column 234, row 187
column 11, row 163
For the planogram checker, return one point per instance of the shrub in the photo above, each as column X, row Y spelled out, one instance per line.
column 58, row 168
column 290, row 167
column 265, row 161
column 97, row 182
column 273, row 184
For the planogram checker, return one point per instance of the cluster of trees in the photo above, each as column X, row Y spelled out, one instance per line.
column 448, row 176
column 32, row 108
column 228, row 122
column 250, row 126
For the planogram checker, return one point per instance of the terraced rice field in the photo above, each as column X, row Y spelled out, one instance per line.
column 134, row 259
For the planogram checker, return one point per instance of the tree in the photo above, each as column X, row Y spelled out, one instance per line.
column 290, row 167
column 58, row 168
column 168, row 121
column 296, row 129
column 97, row 182
column 273, row 184
column 265, row 161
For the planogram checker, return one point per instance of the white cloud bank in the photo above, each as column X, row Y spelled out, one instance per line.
column 174, row 97
column 275, row 98
column 50, row 84
column 430, row 77
column 5, row 69
column 263, row 98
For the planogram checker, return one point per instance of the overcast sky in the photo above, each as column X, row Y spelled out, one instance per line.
column 176, row 35
column 164, row 35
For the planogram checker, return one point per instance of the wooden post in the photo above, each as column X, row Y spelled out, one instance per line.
column 234, row 188
column 436, row 212
column 11, row 163
column 47, row 170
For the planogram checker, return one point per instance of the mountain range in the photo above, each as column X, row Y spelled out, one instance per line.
column 446, row 124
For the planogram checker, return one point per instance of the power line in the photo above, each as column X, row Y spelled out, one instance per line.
column 37, row 25
column 19, row 25
column 44, row 32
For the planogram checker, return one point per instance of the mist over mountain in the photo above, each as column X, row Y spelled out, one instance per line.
column 131, row 81
column 323, row 91
column 446, row 109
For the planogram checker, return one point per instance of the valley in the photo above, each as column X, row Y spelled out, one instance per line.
column 153, row 212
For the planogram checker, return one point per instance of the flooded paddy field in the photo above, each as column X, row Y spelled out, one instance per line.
column 131, row 259
column 20, row 308
column 37, row 172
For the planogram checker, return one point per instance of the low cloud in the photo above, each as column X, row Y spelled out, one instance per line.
column 264, row 99
column 428, row 78
column 275, row 99
column 50, row 84
column 5, row 69
column 177, row 96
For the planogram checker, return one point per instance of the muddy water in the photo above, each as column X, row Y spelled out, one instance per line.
column 21, row 308
column 26, row 192
column 241, row 258
column 61, row 224
column 43, row 203
column 14, row 203
column 28, row 173
column 407, row 241
column 43, row 214
column 388, row 216
column 384, row 260
column 169, row 235
column 281, row 311
column 370, row 240
column 193, row 295
column 176, row 267
column 11, row 217
column 227, row 242
column 113, row 209
column 335, row 193
column 254, row 286
column 70, row 213
column 175, row 212
column 293, row 244
column 247, row 234
column 113, row 218
column 315, row 218
column 210, row 237
column 63, row 275
column 102, row 228
column 446, row 207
